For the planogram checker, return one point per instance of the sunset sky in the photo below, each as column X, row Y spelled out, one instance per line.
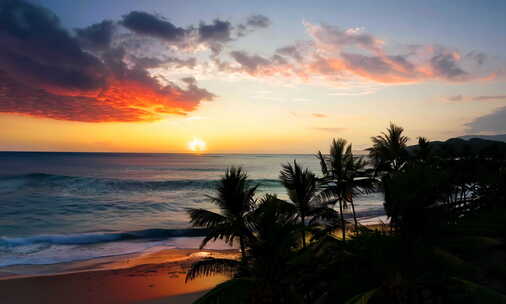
column 246, row 76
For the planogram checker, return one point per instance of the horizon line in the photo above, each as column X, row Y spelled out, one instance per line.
column 188, row 153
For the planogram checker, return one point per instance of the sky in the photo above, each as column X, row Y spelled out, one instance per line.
column 246, row 76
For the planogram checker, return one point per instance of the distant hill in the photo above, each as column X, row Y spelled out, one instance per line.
column 459, row 146
column 499, row 137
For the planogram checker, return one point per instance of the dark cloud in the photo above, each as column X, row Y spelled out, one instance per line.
column 490, row 98
column 249, row 62
column 215, row 35
column 477, row 57
column 290, row 51
column 45, row 72
column 445, row 65
column 97, row 36
column 147, row 24
column 493, row 122
column 35, row 49
column 252, row 23
column 258, row 21
column 218, row 31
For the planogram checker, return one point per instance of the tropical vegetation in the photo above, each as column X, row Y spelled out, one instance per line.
column 445, row 241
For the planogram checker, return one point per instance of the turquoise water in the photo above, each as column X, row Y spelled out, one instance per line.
column 60, row 207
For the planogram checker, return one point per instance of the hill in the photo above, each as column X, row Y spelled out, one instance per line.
column 460, row 146
column 499, row 137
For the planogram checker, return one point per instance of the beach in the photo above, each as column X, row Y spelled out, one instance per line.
column 158, row 277
column 113, row 228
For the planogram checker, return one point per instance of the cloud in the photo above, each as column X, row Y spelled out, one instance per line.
column 333, row 38
column 47, row 72
column 336, row 57
column 290, row 51
column 37, row 49
column 446, row 66
column 490, row 98
column 493, row 122
column 477, row 57
column 250, row 63
column 258, row 21
column 460, row 97
column 319, row 115
column 97, row 36
column 214, row 35
column 253, row 23
column 218, row 31
column 147, row 24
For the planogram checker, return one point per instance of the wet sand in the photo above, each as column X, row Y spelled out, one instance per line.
column 155, row 278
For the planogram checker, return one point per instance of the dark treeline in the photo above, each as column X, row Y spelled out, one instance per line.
column 444, row 243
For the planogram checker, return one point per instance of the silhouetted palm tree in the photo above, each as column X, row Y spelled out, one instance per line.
column 343, row 178
column 273, row 243
column 424, row 152
column 389, row 149
column 235, row 198
column 301, row 185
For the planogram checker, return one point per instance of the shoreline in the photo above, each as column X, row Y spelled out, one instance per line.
column 147, row 278
column 158, row 277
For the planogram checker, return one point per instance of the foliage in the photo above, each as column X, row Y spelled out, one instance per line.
column 446, row 244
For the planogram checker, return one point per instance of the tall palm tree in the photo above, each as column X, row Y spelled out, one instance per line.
column 389, row 149
column 301, row 185
column 344, row 177
column 235, row 198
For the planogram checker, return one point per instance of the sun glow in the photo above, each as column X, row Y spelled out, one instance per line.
column 197, row 145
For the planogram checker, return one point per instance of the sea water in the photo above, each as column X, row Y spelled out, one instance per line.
column 63, row 207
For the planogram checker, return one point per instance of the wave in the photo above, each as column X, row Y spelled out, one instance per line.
column 81, row 183
column 101, row 237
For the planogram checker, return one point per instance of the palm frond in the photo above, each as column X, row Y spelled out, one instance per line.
column 212, row 266
column 323, row 163
column 204, row 218
column 225, row 231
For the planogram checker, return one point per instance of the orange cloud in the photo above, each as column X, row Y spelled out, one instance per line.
column 119, row 101
column 46, row 72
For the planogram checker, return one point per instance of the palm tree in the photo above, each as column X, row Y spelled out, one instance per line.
column 301, row 185
column 343, row 178
column 269, row 250
column 424, row 152
column 389, row 149
column 235, row 198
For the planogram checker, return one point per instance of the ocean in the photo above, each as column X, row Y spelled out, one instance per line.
column 64, row 207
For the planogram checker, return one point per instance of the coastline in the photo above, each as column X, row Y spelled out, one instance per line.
column 147, row 278
column 157, row 277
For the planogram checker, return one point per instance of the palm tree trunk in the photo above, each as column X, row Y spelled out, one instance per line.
column 343, row 224
column 354, row 214
column 302, row 218
column 243, row 250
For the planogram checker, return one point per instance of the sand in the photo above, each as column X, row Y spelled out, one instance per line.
column 151, row 278
column 155, row 278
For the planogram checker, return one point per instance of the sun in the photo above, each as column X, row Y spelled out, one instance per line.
column 197, row 145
